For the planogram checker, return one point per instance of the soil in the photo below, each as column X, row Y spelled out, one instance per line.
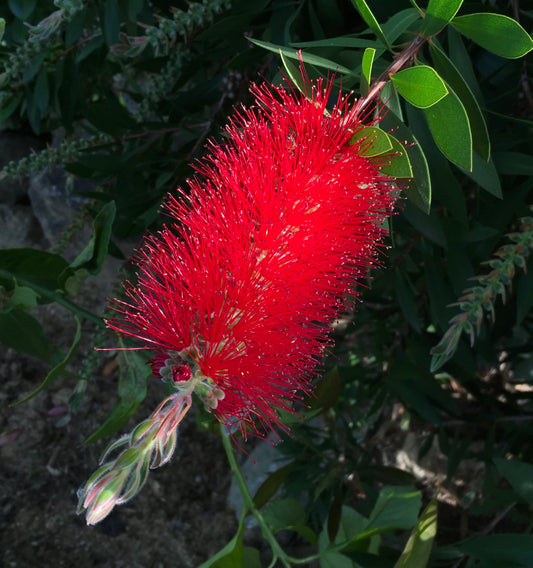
column 179, row 519
column 181, row 516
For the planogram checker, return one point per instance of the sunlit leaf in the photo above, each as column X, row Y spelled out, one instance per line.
column 306, row 57
column 366, row 67
column 372, row 141
column 420, row 85
column 400, row 165
column 370, row 20
column 418, row 547
column 418, row 189
column 438, row 14
column 496, row 33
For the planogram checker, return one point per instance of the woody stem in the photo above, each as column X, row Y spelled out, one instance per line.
column 402, row 59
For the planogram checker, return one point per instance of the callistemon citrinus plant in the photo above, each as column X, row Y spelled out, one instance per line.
column 236, row 295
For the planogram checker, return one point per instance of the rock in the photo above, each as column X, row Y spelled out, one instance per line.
column 52, row 205
column 17, row 223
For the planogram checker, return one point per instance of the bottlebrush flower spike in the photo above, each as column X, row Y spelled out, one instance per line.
column 263, row 251
column 282, row 221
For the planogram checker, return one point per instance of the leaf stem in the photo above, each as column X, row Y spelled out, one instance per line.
column 268, row 535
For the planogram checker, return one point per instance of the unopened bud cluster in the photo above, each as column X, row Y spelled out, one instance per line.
column 151, row 444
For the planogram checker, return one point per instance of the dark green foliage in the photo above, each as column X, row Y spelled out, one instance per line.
column 139, row 87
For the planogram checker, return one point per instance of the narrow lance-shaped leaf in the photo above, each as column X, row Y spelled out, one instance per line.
column 398, row 23
column 370, row 20
column 497, row 33
column 418, row 547
column 420, row 85
column 308, row 58
column 293, row 73
column 366, row 67
column 232, row 553
column 59, row 368
column 131, row 389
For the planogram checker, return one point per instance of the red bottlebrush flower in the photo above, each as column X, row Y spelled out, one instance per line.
column 278, row 227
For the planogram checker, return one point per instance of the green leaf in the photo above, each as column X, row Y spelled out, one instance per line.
column 398, row 23
column 396, row 508
column 429, row 226
column 111, row 22
column 24, row 333
column 131, row 389
column 22, row 8
column 40, row 271
column 283, row 513
column 496, row 549
column 134, row 8
column 418, row 547
column 294, row 74
column 524, row 293
column 407, row 302
column 450, row 128
column 42, row 92
column 307, row 58
column 35, row 268
column 271, row 484
column 485, row 175
column 2, row 28
column 22, row 298
column 335, row 560
column 420, row 85
column 33, row 67
column 370, row 20
column 400, row 165
column 513, row 163
column 231, row 556
column 350, row 525
column 251, row 558
column 93, row 255
column 9, row 108
column 74, row 28
column 341, row 41
column 496, row 33
column 418, row 189
column 438, row 14
column 520, row 475
column 59, row 368
column 366, row 67
column 389, row 96
column 478, row 126
column 372, row 141
column 109, row 116
column 326, row 391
